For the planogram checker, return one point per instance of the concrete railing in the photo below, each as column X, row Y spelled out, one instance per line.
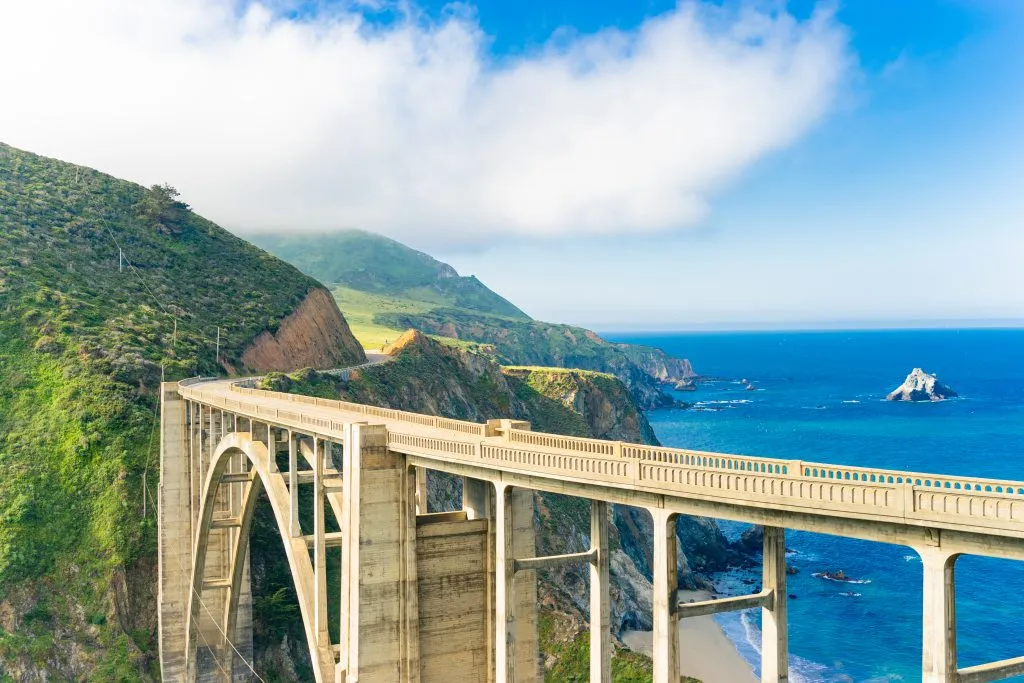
column 888, row 494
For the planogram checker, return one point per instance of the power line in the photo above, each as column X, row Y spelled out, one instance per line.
column 162, row 305
column 216, row 659
column 226, row 639
column 214, row 620
column 136, row 271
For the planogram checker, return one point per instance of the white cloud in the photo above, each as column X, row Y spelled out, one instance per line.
column 265, row 122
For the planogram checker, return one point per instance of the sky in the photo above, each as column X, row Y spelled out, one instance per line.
column 621, row 164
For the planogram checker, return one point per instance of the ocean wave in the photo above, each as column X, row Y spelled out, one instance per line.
column 852, row 401
column 850, row 594
column 724, row 402
column 800, row 670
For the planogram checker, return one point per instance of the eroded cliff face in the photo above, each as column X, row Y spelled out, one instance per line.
column 600, row 399
column 315, row 335
column 658, row 364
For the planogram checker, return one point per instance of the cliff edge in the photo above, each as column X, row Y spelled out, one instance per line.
column 314, row 335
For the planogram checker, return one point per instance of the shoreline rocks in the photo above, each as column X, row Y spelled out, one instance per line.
column 921, row 386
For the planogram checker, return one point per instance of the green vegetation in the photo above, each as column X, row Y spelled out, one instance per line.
column 362, row 308
column 370, row 263
column 561, row 640
column 83, row 345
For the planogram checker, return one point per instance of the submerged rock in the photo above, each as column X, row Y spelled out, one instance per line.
column 920, row 386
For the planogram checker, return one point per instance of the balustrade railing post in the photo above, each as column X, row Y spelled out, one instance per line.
column 908, row 497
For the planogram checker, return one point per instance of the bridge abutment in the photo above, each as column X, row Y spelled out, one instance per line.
column 174, row 532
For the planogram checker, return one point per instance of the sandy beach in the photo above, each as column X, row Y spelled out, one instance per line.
column 705, row 652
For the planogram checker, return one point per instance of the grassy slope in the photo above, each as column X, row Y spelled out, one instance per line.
column 362, row 308
column 81, row 349
column 370, row 263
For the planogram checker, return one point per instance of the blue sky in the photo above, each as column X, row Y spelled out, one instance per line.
column 902, row 207
column 618, row 164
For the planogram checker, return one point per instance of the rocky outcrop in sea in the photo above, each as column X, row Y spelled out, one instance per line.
column 921, row 386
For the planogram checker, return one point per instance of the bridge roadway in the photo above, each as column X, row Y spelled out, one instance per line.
column 939, row 516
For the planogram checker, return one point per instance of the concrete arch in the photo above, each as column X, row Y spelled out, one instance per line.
column 273, row 483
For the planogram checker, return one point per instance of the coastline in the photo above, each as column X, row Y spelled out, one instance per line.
column 705, row 652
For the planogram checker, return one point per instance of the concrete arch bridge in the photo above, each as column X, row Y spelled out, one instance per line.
column 451, row 597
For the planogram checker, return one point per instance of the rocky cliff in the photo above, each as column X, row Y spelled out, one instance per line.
column 314, row 335
column 602, row 400
column 658, row 364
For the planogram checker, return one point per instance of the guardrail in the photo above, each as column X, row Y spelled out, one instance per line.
column 749, row 480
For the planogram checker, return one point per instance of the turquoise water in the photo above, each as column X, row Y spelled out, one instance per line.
column 820, row 397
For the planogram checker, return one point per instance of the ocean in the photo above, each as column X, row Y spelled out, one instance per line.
column 820, row 396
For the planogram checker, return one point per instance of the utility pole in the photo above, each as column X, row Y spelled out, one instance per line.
column 120, row 260
column 218, row 346
column 174, row 335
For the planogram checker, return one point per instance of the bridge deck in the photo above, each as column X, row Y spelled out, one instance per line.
column 861, row 502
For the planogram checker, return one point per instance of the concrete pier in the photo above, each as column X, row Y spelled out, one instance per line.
column 666, row 623
column 775, row 616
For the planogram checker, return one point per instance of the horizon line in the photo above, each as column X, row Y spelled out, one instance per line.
column 1008, row 324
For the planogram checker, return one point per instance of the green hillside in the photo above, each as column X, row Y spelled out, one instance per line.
column 385, row 288
column 364, row 262
column 85, row 335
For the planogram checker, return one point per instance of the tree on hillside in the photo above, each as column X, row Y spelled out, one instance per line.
column 162, row 208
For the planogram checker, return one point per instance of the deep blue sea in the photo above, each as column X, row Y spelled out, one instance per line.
column 820, row 396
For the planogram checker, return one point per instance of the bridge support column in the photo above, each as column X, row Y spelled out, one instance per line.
column 504, row 588
column 775, row 619
column 380, row 640
column 422, row 507
column 515, row 595
column 477, row 503
column 319, row 544
column 600, row 599
column 939, row 614
column 666, row 623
